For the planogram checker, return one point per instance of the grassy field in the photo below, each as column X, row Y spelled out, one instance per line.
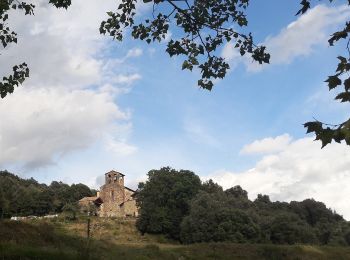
column 118, row 239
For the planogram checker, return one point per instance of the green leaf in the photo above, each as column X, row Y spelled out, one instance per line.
column 347, row 84
column 342, row 59
column 20, row 72
column 313, row 127
column 326, row 136
column 61, row 3
column 333, row 82
column 338, row 136
column 344, row 97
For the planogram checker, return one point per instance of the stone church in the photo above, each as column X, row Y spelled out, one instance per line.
column 114, row 199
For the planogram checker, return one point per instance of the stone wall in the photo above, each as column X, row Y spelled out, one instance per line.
column 117, row 200
column 128, row 194
column 130, row 209
column 112, row 195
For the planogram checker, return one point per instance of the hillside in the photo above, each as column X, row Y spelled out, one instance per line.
column 181, row 217
column 23, row 197
column 178, row 205
column 118, row 239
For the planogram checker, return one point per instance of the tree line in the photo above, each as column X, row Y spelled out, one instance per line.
column 177, row 204
column 24, row 197
column 180, row 206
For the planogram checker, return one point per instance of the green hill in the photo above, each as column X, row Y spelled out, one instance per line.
column 175, row 207
column 119, row 239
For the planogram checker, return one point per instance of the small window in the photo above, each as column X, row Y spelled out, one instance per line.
column 112, row 195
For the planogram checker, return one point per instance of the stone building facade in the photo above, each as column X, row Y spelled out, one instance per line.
column 114, row 199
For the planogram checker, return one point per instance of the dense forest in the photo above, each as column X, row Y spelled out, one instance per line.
column 24, row 197
column 179, row 205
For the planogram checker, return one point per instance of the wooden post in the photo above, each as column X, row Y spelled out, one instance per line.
column 88, row 228
column 86, row 254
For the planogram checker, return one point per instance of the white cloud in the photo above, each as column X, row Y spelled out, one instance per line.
column 322, row 102
column 126, row 79
column 300, row 37
column 302, row 170
column 135, row 52
column 38, row 125
column 267, row 145
column 297, row 39
column 59, row 46
column 198, row 133
column 231, row 54
column 68, row 103
column 118, row 144
column 121, row 148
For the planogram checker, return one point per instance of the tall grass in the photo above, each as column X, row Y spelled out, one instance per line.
column 118, row 239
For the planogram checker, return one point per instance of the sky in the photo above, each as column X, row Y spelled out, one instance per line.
column 92, row 105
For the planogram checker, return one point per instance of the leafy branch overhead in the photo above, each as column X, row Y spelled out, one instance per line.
column 20, row 72
column 325, row 132
column 200, row 28
column 7, row 36
column 204, row 27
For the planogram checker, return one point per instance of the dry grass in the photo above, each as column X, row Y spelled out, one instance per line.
column 115, row 231
column 119, row 239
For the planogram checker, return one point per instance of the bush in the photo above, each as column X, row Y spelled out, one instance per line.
column 212, row 218
column 177, row 204
column 164, row 200
column 289, row 229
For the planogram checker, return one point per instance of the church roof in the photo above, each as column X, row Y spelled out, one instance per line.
column 129, row 189
column 88, row 199
column 115, row 172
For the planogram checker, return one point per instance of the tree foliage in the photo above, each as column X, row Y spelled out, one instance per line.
column 200, row 28
column 204, row 26
column 213, row 218
column 176, row 204
column 71, row 210
column 21, row 197
column 7, row 36
column 326, row 132
column 288, row 228
column 164, row 200
column 207, row 25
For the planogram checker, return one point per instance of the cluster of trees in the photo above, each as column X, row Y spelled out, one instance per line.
column 23, row 197
column 179, row 205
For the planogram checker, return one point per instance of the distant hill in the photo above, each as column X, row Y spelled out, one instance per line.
column 23, row 197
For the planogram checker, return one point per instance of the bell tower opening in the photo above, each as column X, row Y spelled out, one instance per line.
column 114, row 177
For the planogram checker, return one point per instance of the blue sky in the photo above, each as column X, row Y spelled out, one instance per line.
column 92, row 105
